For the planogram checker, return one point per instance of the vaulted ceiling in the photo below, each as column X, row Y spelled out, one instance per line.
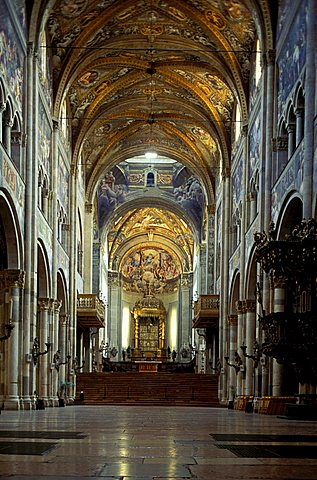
column 153, row 74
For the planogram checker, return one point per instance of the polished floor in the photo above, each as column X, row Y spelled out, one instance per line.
column 135, row 443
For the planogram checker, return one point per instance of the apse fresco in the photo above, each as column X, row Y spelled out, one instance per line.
column 153, row 268
column 292, row 57
column 115, row 188
column 11, row 57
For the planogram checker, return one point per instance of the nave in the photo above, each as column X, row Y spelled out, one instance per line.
column 146, row 443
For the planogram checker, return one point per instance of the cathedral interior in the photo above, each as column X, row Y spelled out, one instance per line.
column 158, row 179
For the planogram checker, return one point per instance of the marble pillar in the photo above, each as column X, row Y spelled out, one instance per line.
column 233, row 375
column 12, row 284
column 114, row 318
column 185, row 310
column 279, row 306
column 250, row 308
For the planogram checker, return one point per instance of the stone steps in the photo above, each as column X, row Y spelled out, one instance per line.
column 148, row 389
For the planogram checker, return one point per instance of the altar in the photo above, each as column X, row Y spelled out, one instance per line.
column 147, row 367
column 148, row 338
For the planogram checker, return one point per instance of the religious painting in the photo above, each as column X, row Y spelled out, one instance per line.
column 150, row 267
column 110, row 195
column 191, row 197
column 88, row 78
column 44, row 139
column 73, row 8
column 63, row 183
column 11, row 57
column 237, row 177
column 291, row 59
column 254, row 145
column 283, row 9
column 19, row 6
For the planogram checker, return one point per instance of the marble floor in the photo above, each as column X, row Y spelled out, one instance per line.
column 135, row 443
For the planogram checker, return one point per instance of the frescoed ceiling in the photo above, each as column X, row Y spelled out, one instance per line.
column 152, row 72
column 157, row 75
column 150, row 246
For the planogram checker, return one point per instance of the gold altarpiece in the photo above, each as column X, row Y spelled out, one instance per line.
column 148, row 336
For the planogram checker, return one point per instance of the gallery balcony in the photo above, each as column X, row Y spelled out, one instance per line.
column 90, row 311
column 206, row 312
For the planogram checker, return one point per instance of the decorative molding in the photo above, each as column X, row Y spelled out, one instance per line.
column 250, row 306
column 240, row 306
column 232, row 320
column 12, row 279
column 279, row 143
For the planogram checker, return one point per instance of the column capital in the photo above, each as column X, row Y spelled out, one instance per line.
column 240, row 306
column 56, row 305
column 114, row 279
column 73, row 169
column 270, row 57
column 245, row 129
column 279, row 143
column 278, row 281
column 250, row 306
column 226, row 172
column 64, row 319
column 44, row 304
column 30, row 48
column 232, row 320
column 12, row 279
column 186, row 279
column 211, row 209
column 88, row 207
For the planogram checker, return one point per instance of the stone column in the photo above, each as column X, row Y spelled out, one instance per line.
column 224, row 287
column 73, row 271
column 279, row 306
column 310, row 93
column 240, row 308
column 62, row 346
column 233, row 376
column 56, row 307
column 185, row 320
column 2, row 109
column 114, row 318
column 44, row 305
column 269, row 60
column 299, row 112
column 250, row 338
column 88, row 239
column 210, row 280
column 12, row 281
column 29, row 211
column 8, row 123
column 291, row 139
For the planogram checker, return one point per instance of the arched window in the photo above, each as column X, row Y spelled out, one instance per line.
column 16, row 142
column 291, row 131
column 258, row 66
column 299, row 113
column 237, row 123
column 43, row 58
column 63, row 120
column 150, row 179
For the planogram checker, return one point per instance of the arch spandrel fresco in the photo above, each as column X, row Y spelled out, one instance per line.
column 151, row 267
column 125, row 181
